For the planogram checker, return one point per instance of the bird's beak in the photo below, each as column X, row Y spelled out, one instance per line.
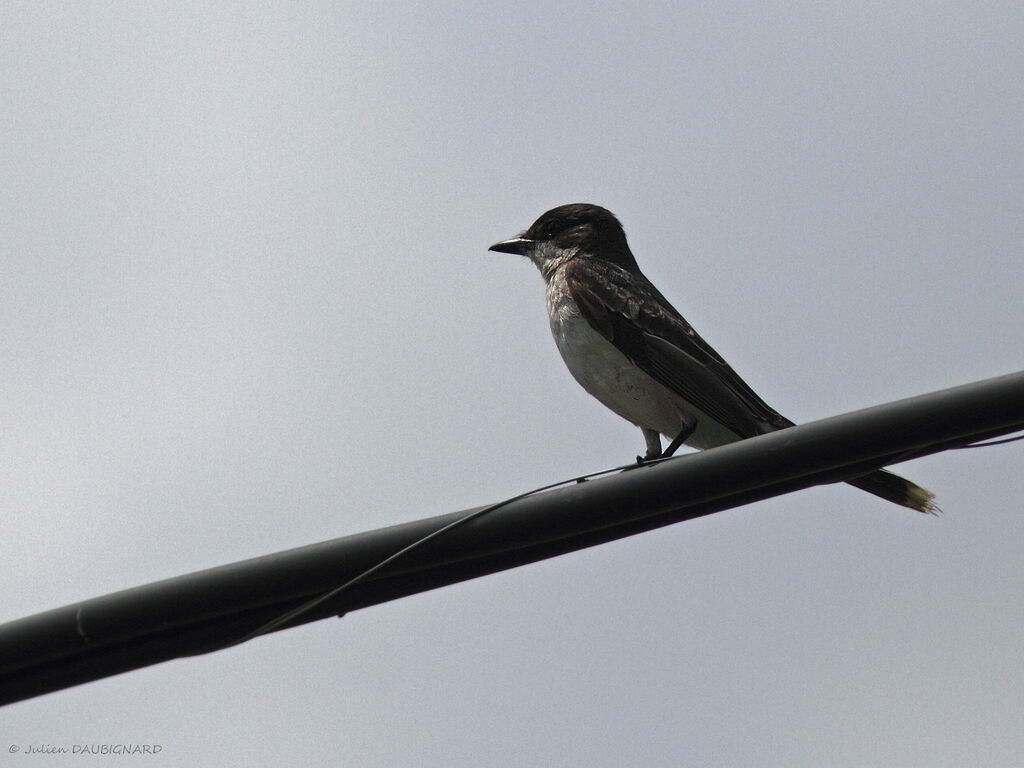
column 517, row 245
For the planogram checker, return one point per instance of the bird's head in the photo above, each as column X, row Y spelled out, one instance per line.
column 570, row 231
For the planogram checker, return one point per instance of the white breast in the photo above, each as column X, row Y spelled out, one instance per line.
column 609, row 376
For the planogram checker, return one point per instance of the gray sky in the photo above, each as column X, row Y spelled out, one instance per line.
column 246, row 304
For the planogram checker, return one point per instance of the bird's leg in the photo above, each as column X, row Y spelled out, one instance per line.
column 653, row 439
column 688, row 428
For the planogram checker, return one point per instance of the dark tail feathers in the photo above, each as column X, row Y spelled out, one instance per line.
column 896, row 489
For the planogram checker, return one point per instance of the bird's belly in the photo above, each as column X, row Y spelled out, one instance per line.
column 609, row 376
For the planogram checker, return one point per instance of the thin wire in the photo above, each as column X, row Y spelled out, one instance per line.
column 987, row 443
column 309, row 605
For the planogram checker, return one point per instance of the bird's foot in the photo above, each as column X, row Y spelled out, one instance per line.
column 642, row 461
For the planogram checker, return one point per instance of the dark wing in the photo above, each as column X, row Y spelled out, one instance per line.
column 630, row 312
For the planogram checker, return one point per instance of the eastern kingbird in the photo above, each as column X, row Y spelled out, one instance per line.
column 629, row 348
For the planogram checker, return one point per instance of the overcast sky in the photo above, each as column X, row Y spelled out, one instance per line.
column 246, row 304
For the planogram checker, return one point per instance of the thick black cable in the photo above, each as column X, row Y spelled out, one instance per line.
column 203, row 611
column 300, row 610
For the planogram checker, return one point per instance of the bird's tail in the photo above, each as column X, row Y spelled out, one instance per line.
column 896, row 489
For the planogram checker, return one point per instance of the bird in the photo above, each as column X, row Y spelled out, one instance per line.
column 626, row 345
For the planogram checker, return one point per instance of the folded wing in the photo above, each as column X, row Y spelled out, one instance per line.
column 641, row 323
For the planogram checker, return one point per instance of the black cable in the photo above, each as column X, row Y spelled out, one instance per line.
column 307, row 606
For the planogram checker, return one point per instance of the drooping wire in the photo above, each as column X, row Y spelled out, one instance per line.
column 987, row 443
column 309, row 605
